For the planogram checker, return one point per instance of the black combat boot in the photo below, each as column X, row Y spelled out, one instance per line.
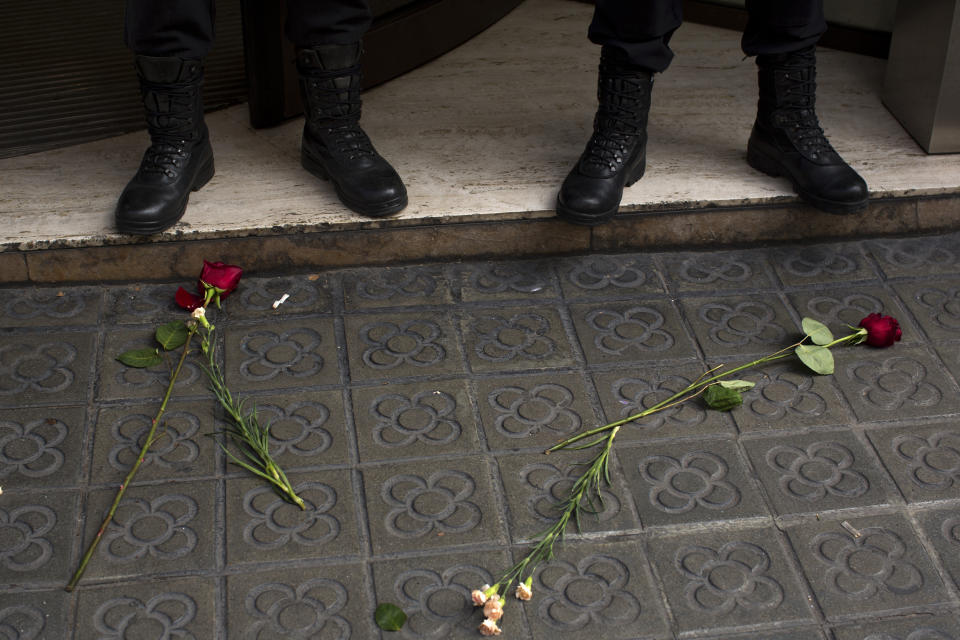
column 615, row 156
column 179, row 159
column 787, row 139
column 334, row 146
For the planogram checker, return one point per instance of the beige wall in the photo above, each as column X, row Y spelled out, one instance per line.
column 867, row 14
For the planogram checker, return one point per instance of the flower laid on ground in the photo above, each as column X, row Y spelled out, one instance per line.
column 217, row 281
column 719, row 391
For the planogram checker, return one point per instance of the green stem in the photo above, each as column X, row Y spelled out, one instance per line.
column 133, row 470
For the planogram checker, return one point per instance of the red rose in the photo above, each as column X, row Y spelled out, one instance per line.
column 882, row 331
column 224, row 277
column 187, row 300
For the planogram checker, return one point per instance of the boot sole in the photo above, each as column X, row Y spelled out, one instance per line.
column 204, row 175
column 592, row 219
column 771, row 167
column 381, row 209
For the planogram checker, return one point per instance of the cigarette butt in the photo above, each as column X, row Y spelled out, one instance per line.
column 851, row 529
column 283, row 298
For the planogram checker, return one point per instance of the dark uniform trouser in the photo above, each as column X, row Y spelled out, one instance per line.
column 639, row 31
column 184, row 28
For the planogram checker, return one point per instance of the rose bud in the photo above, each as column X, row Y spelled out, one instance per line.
column 489, row 628
column 493, row 609
column 882, row 331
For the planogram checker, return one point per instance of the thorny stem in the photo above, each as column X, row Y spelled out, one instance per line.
column 133, row 470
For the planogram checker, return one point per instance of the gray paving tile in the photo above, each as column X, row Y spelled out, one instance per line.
column 499, row 280
column 399, row 345
column 950, row 356
column 724, row 579
column 609, row 276
column 926, row 256
column 145, row 303
column 414, row 420
column 717, row 271
column 117, row 381
column 916, row 627
column 942, row 529
column 884, row 569
column 181, row 608
column 156, row 529
column 434, row 592
column 41, row 447
column 296, row 352
column 513, row 339
column 896, row 383
column 774, row 633
column 733, row 326
column 183, row 449
column 787, row 396
column 266, row 528
column 45, row 369
column 936, row 305
column 814, row 265
column 924, row 460
column 254, row 297
column 625, row 393
column 34, row 615
column 416, row 507
column 37, row 536
column 534, row 410
column 602, row 591
column 317, row 602
column 536, row 486
column 621, row 332
column 816, row 472
column 395, row 287
column 51, row 306
column 847, row 306
column 684, row 482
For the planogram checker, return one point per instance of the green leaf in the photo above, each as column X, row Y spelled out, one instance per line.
column 722, row 398
column 818, row 359
column 818, row 332
column 737, row 385
column 172, row 335
column 390, row 617
column 140, row 358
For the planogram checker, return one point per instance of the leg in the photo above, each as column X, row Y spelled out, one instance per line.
column 635, row 36
column 787, row 139
column 170, row 38
column 327, row 35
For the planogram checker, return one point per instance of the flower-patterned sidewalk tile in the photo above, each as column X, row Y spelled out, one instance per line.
column 52, row 368
column 740, row 325
column 401, row 345
column 631, row 331
column 39, row 447
column 609, row 276
column 414, row 286
column 845, row 306
column 500, row 280
column 936, row 305
column 51, row 307
column 917, row 627
column 37, row 536
column 942, row 529
column 116, row 381
column 717, row 271
column 306, row 294
column 814, row 265
column 504, row 339
column 924, row 460
column 35, row 614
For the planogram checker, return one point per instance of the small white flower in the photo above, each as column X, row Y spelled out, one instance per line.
column 489, row 628
column 198, row 313
column 493, row 609
column 523, row 592
column 478, row 597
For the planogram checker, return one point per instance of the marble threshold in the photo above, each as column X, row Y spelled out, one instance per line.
column 483, row 137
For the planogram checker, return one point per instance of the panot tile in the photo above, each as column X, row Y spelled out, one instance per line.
column 879, row 566
column 297, row 352
column 600, row 591
column 305, row 294
column 117, row 381
column 712, row 272
column 916, row 627
column 265, row 527
column 899, row 257
column 942, row 529
column 533, row 411
column 682, row 483
column 51, row 306
column 609, row 276
column 814, row 265
column 414, row 286
column 924, row 460
column 817, row 472
column 38, row 534
column 524, row 280
column 628, row 392
column 414, row 420
column 45, row 369
column 536, row 487
column 156, row 529
column 936, row 306
column 35, row 614
column 145, row 303
column 515, row 339
column 733, row 326
column 330, row 601
column 446, row 503
column 400, row 345
column 847, row 306
column 895, row 383
column 722, row 579
column 434, row 592
column 41, row 446
column 636, row 331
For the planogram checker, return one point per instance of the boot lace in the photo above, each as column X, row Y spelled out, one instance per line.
column 618, row 125
column 797, row 115
column 170, row 120
column 335, row 113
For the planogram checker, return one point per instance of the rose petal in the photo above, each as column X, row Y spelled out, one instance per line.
column 188, row 300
